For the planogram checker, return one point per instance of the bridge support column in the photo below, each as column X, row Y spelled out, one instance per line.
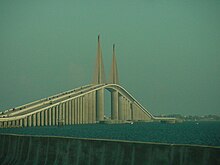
column 125, row 109
column 94, row 119
column 121, row 108
column 66, row 113
column 132, row 112
column 72, row 111
column 76, row 111
column 13, row 123
column 34, row 119
column 38, row 119
column 17, row 123
column 49, row 116
column 100, row 105
column 8, row 124
column 21, row 122
column 53, row 115
column 60, row 114
column 42, row 118
column 128, row 110
column 135, row 117
column 114, row 105
column 80, row 110
column 63, row 114
column 46, row 117
column 25, row 122
column 90, row 108
column 29, row 121
column 85, row 109
column 4, row 124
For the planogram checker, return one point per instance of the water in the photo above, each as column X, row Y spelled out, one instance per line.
column 202, row 133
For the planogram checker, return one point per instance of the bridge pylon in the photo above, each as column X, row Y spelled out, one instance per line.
column 99, row 75
column 114, row 93
column 99, row 78
column 114, row 69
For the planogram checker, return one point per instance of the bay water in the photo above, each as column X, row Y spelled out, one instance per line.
column 197, row 133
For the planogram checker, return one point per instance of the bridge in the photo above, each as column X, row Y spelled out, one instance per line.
column 83, row 105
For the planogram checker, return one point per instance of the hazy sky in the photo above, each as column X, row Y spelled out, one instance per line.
column 168, row 51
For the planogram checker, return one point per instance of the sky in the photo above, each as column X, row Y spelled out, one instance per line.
column 168, row 51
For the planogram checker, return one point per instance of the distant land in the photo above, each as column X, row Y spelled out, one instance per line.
column 193, row 117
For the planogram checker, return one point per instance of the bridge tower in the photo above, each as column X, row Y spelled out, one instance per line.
column 99, row 78
column 114, row 93
column 114, row 69
column 99, row 75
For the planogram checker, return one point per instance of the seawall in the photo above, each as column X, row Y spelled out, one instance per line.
column 17, row 149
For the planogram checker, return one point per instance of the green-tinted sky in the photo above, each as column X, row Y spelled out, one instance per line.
column 168, row 51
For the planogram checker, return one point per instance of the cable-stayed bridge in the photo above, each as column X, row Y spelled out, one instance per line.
column 83, row 105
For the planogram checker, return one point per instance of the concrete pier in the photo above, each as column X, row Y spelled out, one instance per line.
column 66, row 113
column 80, row 110
column 73, row 111
column 63, row 119
column 114, row 105
column 94, row 119
column 46, row 117
column 42, row 118
column 17, row 123
column 121, row 108
column 57, row 114
column 85, row 109
column 70, row 112
column 53, row 114
column 100, row 105
column 49, row 116
column 25, row 122
column 76, row 111
column 90, row 108
column 29, row 121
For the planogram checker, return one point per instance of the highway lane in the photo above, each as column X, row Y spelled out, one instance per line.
column 41, row 102
column 52, row 101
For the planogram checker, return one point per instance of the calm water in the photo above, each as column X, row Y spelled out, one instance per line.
column 203, row 133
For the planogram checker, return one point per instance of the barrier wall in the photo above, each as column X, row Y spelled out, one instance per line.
column 17, row 149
